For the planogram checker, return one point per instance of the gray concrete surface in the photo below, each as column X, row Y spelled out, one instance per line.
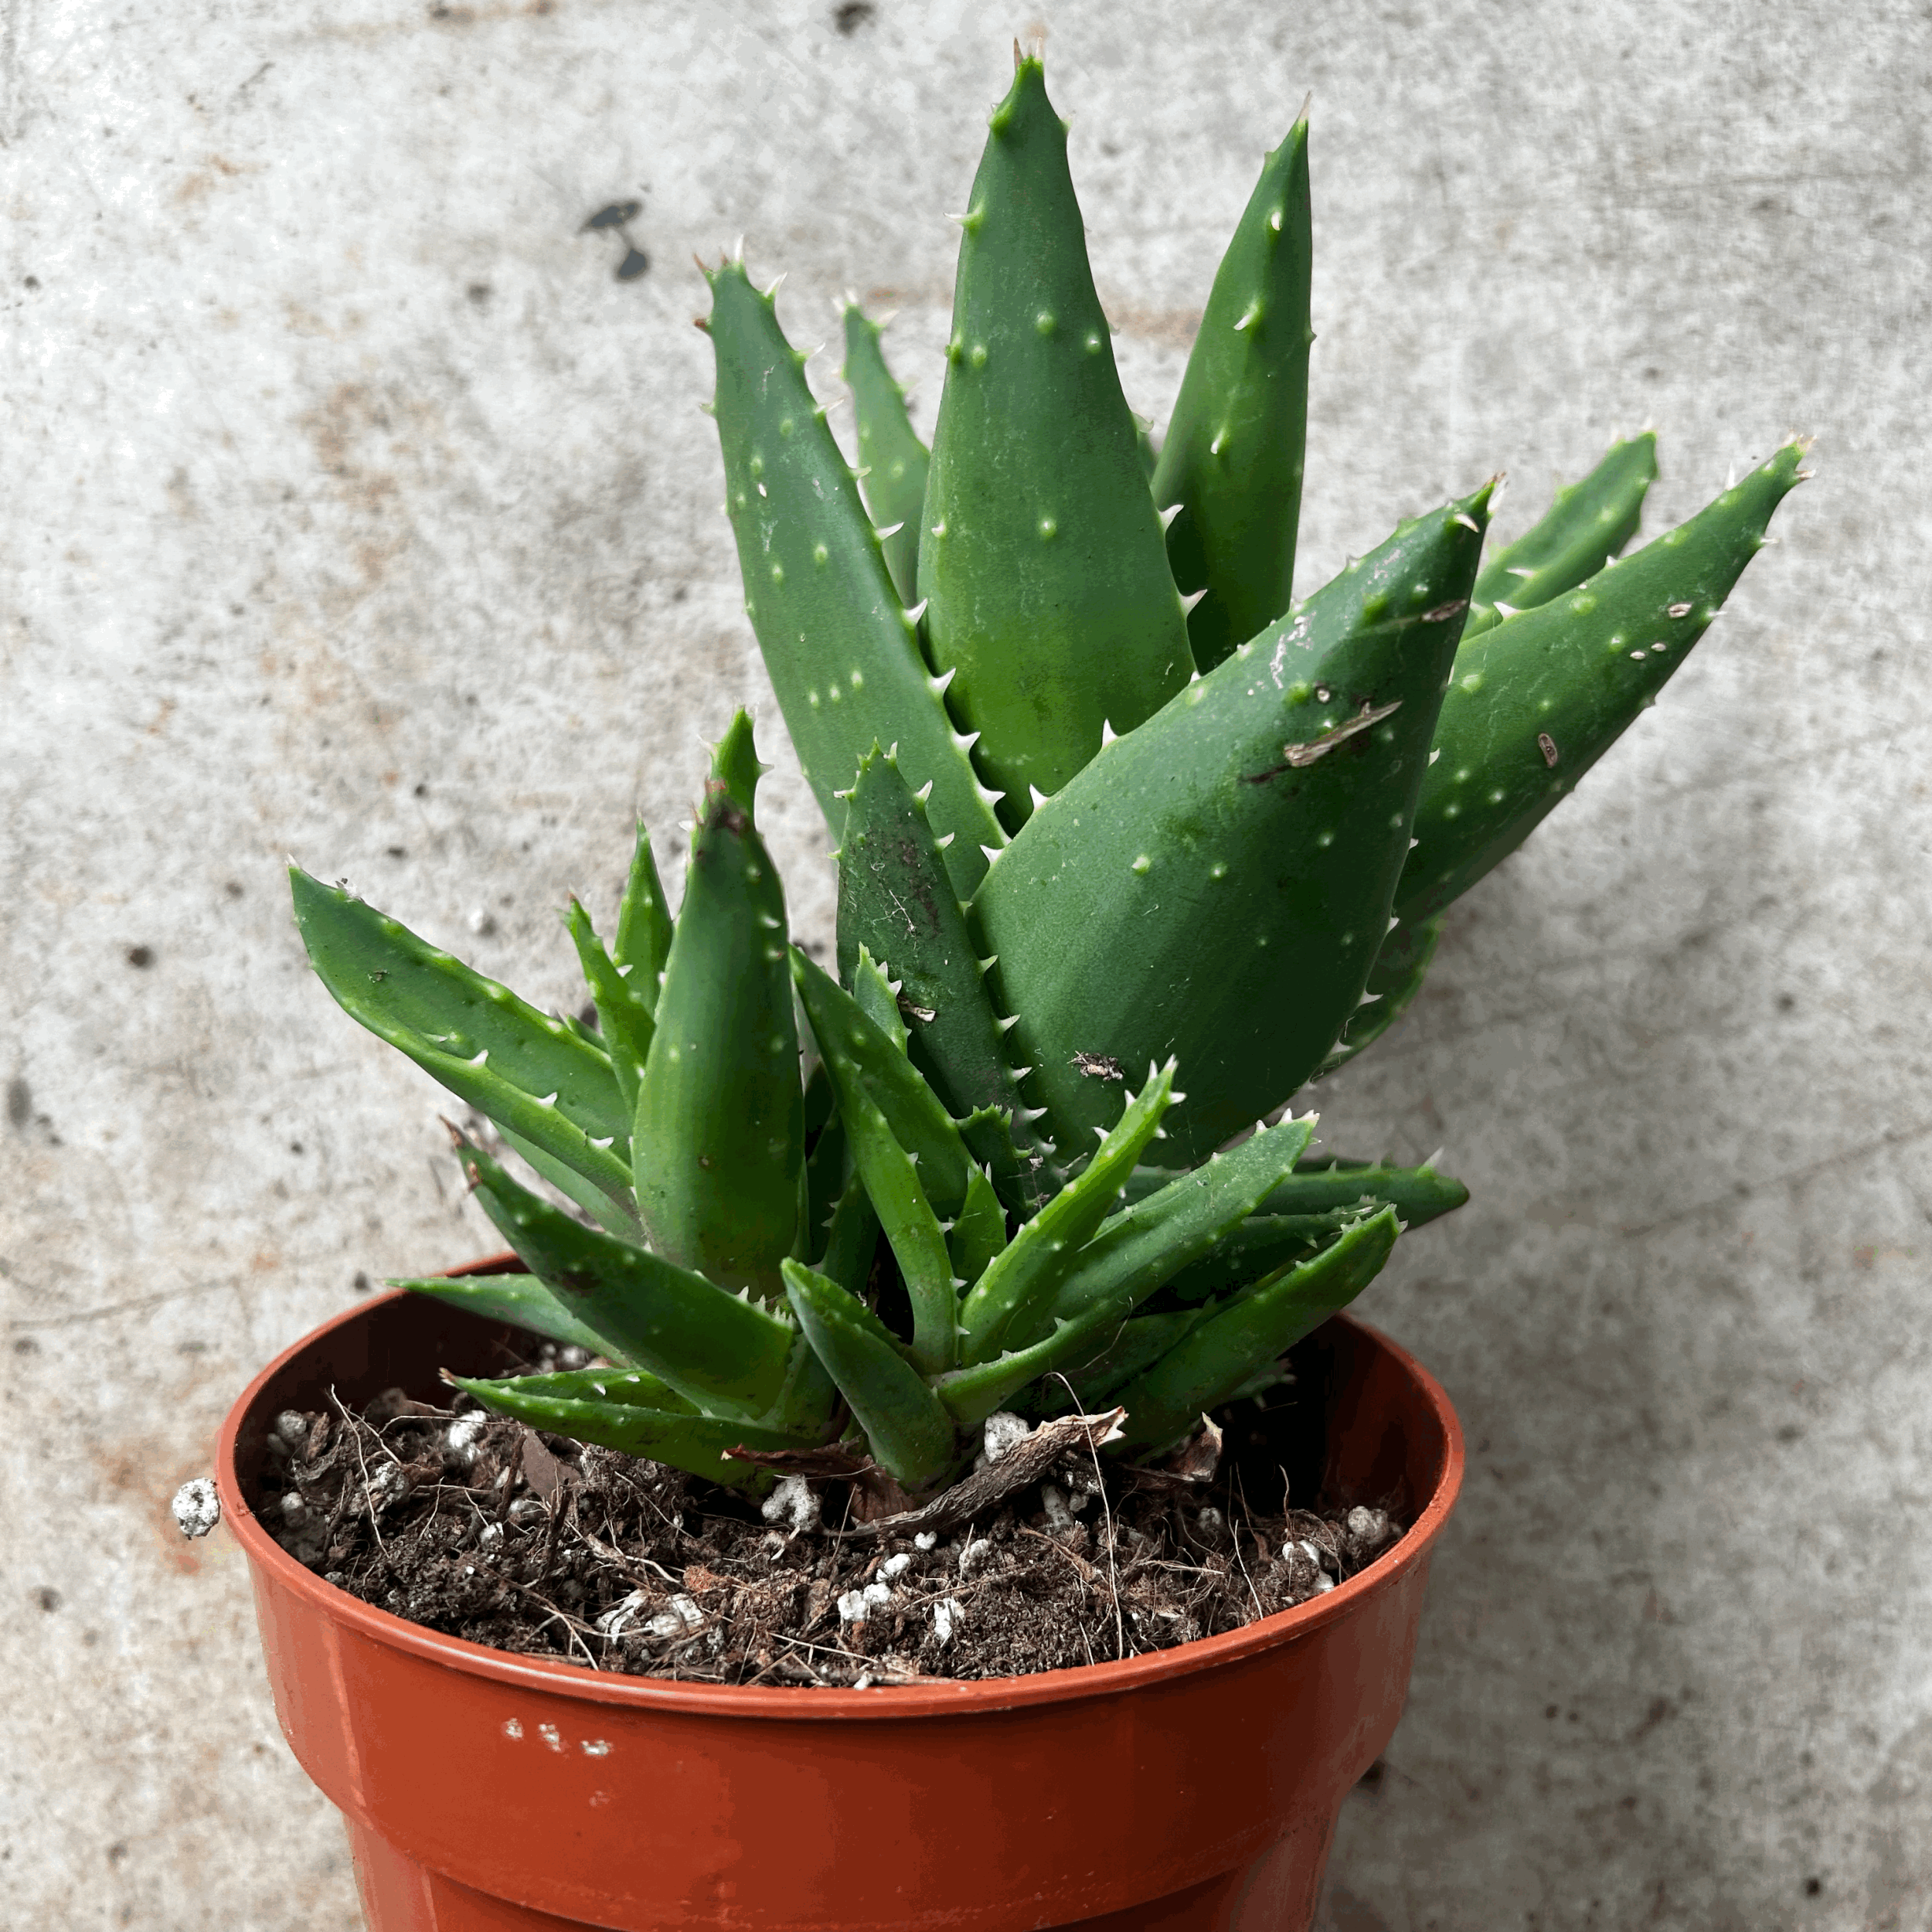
column 354, row 508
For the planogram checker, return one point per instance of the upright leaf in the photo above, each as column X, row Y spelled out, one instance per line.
column 862, row 1059
column 909, row 1434
column 720, row 1123
column 1041, row 560
column 842, row 651
column 892, row 460
column 642, row 943
column 1232, row 463
column 896, row 901
column 1586, row 527
column 891, row 1176
column 623, row 1014
column 1216, row 884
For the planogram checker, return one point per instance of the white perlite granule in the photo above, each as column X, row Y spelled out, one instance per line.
column 1003, row 1429
column 795, row 1501
column 683, row 1614
column 197, row 1508
column 856, row 1605
column 620, row 1616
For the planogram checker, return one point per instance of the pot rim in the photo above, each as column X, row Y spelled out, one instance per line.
column 935, row 1698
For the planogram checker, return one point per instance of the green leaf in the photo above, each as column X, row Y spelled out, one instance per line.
column 623, row 1015
column 1587, row 527
column 910, row 1435
column 1233, row 458
column 896, row 901
column 876, row 999
column 1256, row 1247
column 979, row 1234
column 643, row 940
column 1010, row 1301
column 1137, row 1250
column 720, row 1124
column 852, row 1241
column 715, row 1349
column 521, row 1300
column 809, row 1400
column 620, row 1216
column 526, row 1071
column 1220, row 1353
column 828, row 1174
column 861, row 1060
column 1041, row 559
column 636, row 1415
column 1216, row 885
column 1418, row 1194
column 1139, row 1344
column 1322, row 1182
column 891, row 1178
column 970, row 1395
column 1394, row 981
column 842, row 654
column 892, row 460
column 1535, row 701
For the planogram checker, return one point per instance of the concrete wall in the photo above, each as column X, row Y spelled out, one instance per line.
column 355, row 509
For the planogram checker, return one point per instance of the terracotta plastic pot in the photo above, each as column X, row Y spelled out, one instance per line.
column 1187, row 1790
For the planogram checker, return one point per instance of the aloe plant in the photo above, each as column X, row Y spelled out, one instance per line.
column 760, row 1213
column 1114, row 816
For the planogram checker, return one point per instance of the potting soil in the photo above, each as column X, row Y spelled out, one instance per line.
column 470, row 1524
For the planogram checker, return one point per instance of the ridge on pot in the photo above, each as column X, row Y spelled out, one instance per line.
column 1192, row 1788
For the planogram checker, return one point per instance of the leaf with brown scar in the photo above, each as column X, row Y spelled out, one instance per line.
column 1298, row 756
